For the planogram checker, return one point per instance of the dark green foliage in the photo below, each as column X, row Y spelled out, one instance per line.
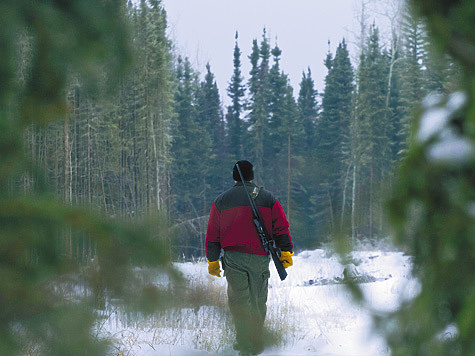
column 259, row 101
column 191, row 146
column 210, row 118
column 432, row 203
column 235, row 125
column 303, row 223
column 333, row 133
column 42, row 44
column 374, row 129
column 308, row 109
column 432, row 208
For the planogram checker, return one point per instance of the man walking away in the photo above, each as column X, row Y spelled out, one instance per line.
column 246, row 263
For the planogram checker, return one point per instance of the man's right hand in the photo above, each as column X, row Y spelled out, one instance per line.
column 214, row 269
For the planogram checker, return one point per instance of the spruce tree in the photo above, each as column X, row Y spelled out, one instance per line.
column 284, row 129
column 374, row 130
column 42, row 237
column 259, row 104
column 235, row 125
column 333, row 132
column 308, row 109
column 305, row 187
column 413, row 88
column 191, row 145
column 210, row 119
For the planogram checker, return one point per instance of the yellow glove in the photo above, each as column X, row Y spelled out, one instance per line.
column 213, row 268
column 286, row 258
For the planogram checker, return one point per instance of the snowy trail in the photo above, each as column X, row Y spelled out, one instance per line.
column 319, row 315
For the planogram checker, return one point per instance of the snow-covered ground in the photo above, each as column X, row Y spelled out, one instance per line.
column 311, row 312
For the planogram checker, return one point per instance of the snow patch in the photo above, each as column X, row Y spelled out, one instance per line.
column 319, row 319
column 432, row 122
column 451, row 149
column 456, row 101
column 437, row 116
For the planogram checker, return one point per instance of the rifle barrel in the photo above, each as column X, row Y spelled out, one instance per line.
column 264, row 236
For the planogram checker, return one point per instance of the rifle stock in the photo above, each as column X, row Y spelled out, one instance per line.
column 266, row 241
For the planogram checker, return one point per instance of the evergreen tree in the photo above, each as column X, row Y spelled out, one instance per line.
column 374, row 128
column 413, row 88
column 308, row 114
column 284, row 128
column 41, row 238
column 394, row 101
column 191, row 145
column 210, row 119
column 259, row 104
column 235, row 125
column 308, row 109
column 333, row 133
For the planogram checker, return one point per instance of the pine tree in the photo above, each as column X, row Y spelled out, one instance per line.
column 304, row 187
column 259, row 104
column 412, row 90
column 210, row 119
column 333, row 133
column 43, row 239
column 284, row 128
column 374, row 128
column 308, row 109
column 191, row 145
column 235, row 125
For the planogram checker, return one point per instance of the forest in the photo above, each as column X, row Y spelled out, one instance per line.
column 164, row 144
column 112, row 148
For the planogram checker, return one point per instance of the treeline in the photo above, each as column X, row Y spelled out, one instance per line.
column 164, row 144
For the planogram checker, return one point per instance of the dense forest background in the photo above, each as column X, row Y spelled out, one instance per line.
column 165, row 145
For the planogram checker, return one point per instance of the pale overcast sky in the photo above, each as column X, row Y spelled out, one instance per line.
column 204, row 31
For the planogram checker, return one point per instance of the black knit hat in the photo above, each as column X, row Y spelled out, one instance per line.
column 246, row 170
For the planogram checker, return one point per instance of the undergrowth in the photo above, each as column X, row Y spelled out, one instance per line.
column 197, row 317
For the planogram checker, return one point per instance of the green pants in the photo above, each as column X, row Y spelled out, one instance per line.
column 247, row 276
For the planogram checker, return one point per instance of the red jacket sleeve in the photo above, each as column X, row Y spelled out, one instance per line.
column 280, row 228
column 212, row 241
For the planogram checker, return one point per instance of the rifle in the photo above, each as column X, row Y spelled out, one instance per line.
column 267, row 242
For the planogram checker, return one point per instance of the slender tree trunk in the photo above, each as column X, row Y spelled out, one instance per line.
column 371, row 197
column 149, row 118
column 66, row 159
column 89, row 159
column 330, row 207
column 288, row 179
column 67, row 181
column 353, row 206
column 157, row 167
column 103, row 192
column 343, row 203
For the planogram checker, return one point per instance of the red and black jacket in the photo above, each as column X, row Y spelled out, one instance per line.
column 231, row 226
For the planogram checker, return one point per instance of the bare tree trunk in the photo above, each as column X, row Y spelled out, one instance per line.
column 371, row 197
column 103, row 192
column 353, row 206
column 157, row 167
column 67, row 180
column 343, row 203
column 149, row 118
column 288, row 179
column 330, row 206
column 89, row 158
